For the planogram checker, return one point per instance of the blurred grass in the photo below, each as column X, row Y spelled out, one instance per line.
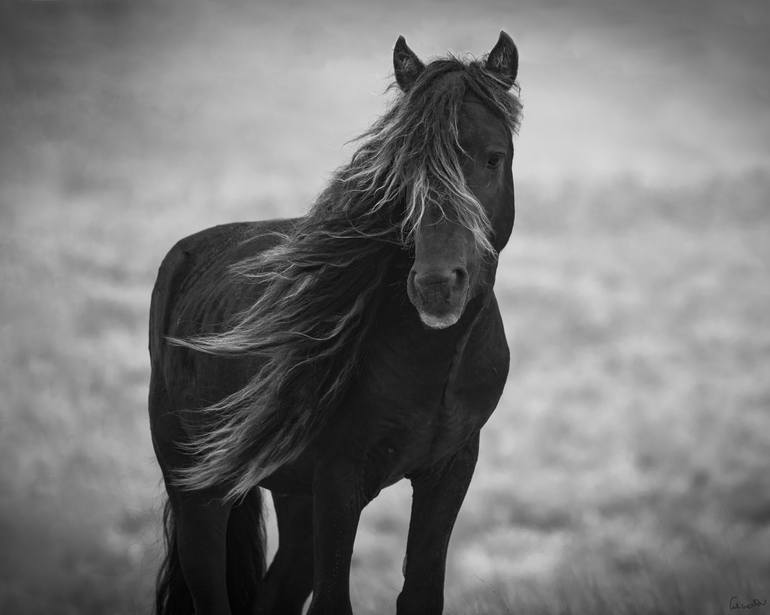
column 625, row 470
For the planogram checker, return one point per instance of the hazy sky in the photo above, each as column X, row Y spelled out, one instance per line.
column 662, row 91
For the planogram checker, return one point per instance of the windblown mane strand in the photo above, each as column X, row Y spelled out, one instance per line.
column 321, row 285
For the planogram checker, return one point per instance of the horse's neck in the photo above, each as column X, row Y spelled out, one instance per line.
column 405, row 358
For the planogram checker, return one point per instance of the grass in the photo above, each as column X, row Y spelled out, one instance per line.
column 625, row 470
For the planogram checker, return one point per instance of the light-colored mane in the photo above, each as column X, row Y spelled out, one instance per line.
column 322, row 283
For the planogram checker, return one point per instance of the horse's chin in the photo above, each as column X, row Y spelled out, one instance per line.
column 443, row 321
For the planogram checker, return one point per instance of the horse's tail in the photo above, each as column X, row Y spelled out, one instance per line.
column 246, row 545
column 245, row 560
column 171, row 593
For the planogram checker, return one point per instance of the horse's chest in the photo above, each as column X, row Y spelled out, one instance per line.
column 416, row 421
column 437, row 431
column 418, row 396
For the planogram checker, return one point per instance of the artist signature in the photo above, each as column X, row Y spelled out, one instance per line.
column 735, row 603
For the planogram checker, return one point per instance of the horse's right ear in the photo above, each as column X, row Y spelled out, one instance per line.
column 406, row 65
column 503, row 60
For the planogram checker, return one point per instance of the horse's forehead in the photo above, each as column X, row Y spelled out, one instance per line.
column 478, row 125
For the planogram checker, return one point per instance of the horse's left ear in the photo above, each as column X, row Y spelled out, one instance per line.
column 406, row 65
column 503, row 60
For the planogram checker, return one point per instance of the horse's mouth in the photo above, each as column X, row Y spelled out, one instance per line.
column 442, row 321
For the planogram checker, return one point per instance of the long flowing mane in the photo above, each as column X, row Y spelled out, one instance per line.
column 321, row 285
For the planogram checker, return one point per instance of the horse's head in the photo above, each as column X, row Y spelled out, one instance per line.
column 467, row 202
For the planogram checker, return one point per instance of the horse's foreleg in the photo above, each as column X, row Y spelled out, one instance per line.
column 290, row 578
column 338, row 498
column 202, row 543
column 438, row 495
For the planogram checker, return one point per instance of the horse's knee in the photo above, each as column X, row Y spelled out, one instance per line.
column 422, row 601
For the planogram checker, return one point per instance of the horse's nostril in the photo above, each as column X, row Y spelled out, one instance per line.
column 426, row 280
column 439, row 282
column 460, row 276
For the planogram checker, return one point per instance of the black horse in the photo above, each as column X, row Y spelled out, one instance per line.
column 329, row 356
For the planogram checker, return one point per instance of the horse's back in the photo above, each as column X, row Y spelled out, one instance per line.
column 194, row 293
column 196, row 269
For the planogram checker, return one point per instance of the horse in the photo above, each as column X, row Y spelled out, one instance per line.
column 326, row 357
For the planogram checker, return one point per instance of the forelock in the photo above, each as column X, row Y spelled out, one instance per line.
column 410, row 156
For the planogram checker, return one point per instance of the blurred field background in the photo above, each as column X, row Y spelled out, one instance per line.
column 626, row 468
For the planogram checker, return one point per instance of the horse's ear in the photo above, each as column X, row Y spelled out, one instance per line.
column 503, row 60
column 406, row 65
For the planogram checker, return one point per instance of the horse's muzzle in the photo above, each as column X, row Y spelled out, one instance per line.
column 438, row 295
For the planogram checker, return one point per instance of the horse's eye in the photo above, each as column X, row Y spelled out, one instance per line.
column 494, row 160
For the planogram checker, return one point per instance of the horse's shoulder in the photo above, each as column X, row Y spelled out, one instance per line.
column 482, row 368
column 488, row 337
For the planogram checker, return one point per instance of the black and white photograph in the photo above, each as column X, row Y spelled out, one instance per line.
column 415, row 307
